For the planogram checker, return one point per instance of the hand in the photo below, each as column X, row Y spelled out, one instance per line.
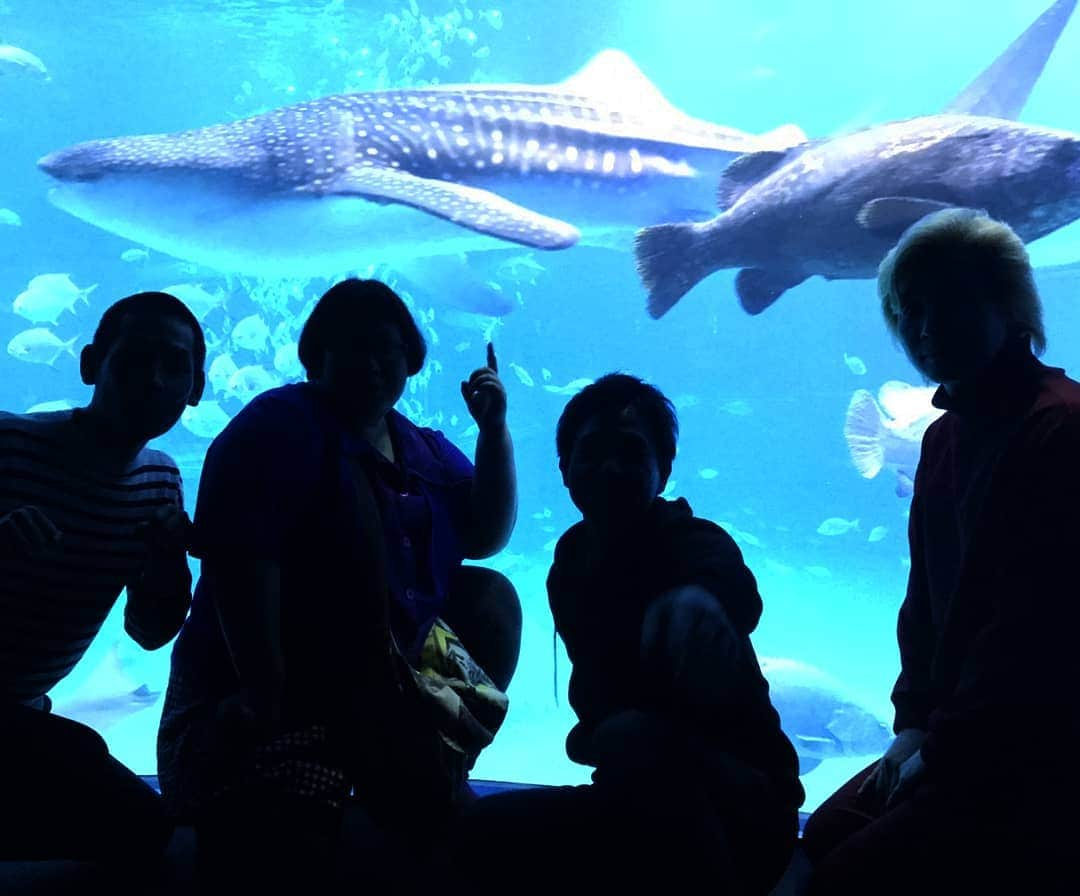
column 485, row 395
column 911, row 772
column 875, row 790
column 167, row 531
column 27, row 532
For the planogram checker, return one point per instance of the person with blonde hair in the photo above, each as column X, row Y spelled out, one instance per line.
column 973, row 793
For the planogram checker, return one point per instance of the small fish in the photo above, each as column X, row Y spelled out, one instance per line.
column 45, row 407
column 19, row 58
column 707, row 473
column 10, row 218
column 522, row 374
column 40, row 346
column 877, row 533
column 206, row 420
column 48, row 296
column 819, row 572
column 249, row 381
column 737, row 408
column 549, row 546
column 545, row 374
column 682, row 402
column 132, row 255
column 855, row 364
column 221, row 371
column 571, row 388
column 544, row 514
column 836, row 525
column 251, row 334
column 738, row 535
column 888, row 432
column 287, row 361
column 463, row 346
column 196, row 298
column 492, row 17
column 282, row 335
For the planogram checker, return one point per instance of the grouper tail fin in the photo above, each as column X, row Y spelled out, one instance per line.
column 668, row 258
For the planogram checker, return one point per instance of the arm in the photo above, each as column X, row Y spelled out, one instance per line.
column 912, row 695
column 259, row 476
column 494, row 494
column 158, row 602
column 1016, row 689
column 493, row 503
column 248, row 603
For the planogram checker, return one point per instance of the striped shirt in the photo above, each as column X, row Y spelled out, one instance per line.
column 52, row 607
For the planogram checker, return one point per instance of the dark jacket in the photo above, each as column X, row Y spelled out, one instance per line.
column 599, row 612
column 988, row 628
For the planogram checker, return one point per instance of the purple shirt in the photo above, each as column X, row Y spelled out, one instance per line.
column 259, row 495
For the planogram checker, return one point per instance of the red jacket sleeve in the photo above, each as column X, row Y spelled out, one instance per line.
column 1015, row 694
column 912, row 695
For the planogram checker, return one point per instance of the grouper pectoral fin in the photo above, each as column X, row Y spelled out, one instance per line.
column 471, row 207
column 890, row 216
column 1002, row 89
column 758, row 288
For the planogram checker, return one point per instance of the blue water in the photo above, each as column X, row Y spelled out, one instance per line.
column 761, row 400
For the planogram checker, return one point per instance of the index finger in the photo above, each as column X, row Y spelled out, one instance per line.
column 491, row 361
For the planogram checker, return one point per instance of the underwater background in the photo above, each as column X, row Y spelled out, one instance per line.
column 762, row 401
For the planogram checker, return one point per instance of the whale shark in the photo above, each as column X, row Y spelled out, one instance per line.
column 833, row 207
column 336, row 183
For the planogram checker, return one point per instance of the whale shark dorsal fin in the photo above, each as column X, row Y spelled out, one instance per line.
column 1003, row 88
column 612, row 74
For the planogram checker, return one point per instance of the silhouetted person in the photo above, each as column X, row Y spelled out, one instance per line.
column 694, row 780
column 327, row 522
column 976, row 792
column 86, row 510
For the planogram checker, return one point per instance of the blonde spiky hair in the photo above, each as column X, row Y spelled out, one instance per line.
column 990, row 250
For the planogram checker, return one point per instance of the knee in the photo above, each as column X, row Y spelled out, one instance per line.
column 484, row 610
column 682, row 613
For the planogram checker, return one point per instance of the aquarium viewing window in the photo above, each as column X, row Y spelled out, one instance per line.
column 508, row 214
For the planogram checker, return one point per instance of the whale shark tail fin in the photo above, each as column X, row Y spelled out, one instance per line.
column 1002, row 89
column 668, row 258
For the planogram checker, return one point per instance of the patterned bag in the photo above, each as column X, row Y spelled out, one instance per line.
column 443, row 714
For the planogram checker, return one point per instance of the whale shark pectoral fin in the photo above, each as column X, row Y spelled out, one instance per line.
column 744, row 172
column 891, row 215
column 758, row 288
column 1002, row 89
column 470, row 207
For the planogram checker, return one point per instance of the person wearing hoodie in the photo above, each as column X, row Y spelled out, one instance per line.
column 693, row 778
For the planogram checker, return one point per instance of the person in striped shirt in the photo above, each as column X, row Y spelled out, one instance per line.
column 87, row 510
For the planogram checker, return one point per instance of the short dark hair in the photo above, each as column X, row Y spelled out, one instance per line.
column 355, row 302
column 148, row 304
column 610, row 395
